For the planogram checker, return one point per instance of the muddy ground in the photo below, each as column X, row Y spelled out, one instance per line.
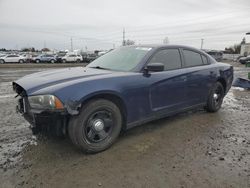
column 192, row 149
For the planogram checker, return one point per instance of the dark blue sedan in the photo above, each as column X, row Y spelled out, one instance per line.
column 121, row 89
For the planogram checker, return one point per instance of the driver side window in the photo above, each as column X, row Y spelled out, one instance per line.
column 170, row 58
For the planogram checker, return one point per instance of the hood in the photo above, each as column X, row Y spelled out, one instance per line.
column 44, row 79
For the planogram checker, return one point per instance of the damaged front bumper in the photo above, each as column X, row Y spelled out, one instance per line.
column 53, row 122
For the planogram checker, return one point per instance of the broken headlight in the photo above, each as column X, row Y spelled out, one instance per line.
column 45, row 102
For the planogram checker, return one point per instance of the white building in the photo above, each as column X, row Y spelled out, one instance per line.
column 245, row 49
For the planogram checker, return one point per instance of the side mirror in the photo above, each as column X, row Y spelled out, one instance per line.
column 154, row 67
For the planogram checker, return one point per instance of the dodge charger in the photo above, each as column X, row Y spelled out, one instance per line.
column 126, row 87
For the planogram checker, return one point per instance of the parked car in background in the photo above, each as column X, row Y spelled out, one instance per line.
column 59, row 56
column 91, row 57
column 244, row 60
column 12, row 58
column 72, row 58
column 45, row 58
column 123, row 88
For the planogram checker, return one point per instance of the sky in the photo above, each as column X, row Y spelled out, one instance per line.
column 98, row 25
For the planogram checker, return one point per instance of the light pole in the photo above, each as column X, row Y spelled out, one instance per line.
column 202, row 41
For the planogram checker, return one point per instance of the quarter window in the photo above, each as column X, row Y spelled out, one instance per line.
column 204, row 59
column 192, row 58
column 170, row 58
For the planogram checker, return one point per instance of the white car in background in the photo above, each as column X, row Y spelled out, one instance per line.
column 12, row 58
column 72, row 58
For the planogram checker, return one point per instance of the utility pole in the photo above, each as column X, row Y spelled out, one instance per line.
column 71, row 43
column 44, row 44
column 123, row 37
column 202, row 41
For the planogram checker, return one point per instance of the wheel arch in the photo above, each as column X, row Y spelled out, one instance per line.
column 223, row 82
column 115, row 98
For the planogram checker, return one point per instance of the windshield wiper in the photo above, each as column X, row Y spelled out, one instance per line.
column 98, row 67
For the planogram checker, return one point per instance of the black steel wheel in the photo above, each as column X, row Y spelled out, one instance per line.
column 99, row 126
column 96, row 127
column 215, row 98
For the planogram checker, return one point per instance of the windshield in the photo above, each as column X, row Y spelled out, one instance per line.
column 121, row 59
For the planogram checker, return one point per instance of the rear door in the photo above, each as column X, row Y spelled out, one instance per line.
column 168, row 88
column 199, row 76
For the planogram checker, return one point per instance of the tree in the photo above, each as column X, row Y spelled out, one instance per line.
column 45, row 49
column 166, row 40
column 243, row 41
column 32, row 49
column 129, row 42
column 235, row 49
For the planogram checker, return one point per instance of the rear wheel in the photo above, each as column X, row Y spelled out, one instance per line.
column 215, row 98
column 78, row 61
column 96, row 127
column 52, row 61
column 21, row 61
column 37, row 61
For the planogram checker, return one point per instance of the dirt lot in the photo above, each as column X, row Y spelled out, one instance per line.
column 193, row 149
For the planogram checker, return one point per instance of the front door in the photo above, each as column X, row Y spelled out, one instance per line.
column 168, row 88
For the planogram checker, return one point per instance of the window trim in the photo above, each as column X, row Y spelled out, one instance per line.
column 192, row 50
column 206, row 59
column 164, row 48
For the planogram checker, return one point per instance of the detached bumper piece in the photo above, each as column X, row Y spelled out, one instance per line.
column 243, row 83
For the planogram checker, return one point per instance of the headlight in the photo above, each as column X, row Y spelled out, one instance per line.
column 46, row 102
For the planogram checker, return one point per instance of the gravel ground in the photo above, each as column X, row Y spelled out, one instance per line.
column 192, row 149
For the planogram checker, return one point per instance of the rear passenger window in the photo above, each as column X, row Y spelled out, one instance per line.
column 169, row 57
column 192, row 58
column 204, row 59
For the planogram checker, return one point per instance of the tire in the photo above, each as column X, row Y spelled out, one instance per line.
column 215, row 98
column 21, row 61
column 2, row 61
column 96, row 127
column 38, row 61
column 78, row 61
column 64, row 61
column 52, row 61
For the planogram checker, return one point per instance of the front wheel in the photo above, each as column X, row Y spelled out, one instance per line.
column 215, row 98
column 52, row 61
column 2, row 61
column 96, row 127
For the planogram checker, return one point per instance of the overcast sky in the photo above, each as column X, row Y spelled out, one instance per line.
column 98, row 24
